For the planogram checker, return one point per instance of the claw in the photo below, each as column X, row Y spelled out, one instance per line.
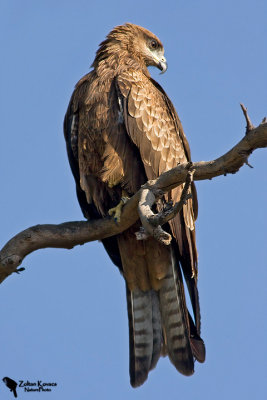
column 116, row 211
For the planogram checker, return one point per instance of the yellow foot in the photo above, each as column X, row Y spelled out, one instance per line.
column 116, row 211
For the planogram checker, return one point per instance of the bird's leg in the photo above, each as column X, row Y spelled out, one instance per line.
column 116, row 211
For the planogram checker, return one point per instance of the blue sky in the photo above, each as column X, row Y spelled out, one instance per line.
column 64, row 318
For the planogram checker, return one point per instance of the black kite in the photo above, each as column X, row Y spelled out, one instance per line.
column 121, row 129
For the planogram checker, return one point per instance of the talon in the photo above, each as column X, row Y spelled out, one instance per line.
column 168, row 206
column 116, row 211
column 18, row 270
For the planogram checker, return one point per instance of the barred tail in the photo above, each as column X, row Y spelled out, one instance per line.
column 145, row 333
column 174, row 316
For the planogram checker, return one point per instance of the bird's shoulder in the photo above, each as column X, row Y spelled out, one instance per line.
column 151, row 121
column 137, row 82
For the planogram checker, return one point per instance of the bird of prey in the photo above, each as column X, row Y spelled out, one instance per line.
column 11, row 384
column 121, row 130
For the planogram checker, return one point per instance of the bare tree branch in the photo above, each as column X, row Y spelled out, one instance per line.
column 250, row 126
column 70, row 234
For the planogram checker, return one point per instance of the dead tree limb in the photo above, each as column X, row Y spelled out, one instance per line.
column 70, row 234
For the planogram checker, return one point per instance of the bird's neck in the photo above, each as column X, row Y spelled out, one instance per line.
column 114, row 59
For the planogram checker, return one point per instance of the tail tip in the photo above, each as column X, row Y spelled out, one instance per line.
column 138, row 379
column 198, row 348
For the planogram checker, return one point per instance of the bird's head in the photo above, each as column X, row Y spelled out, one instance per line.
column 146, row 46
column 135, row 42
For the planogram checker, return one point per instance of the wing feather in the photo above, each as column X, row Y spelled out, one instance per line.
column 154, row 127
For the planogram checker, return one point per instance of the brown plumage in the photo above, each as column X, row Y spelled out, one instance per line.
column 121, row 129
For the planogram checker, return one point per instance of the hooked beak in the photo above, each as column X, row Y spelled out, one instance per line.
column 162, row 65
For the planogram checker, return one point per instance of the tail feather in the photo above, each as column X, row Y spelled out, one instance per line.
column 145, row 333
column 140, row 335
column 157, row 329
column 197, row 344
column 160, row 324
column 175, row 320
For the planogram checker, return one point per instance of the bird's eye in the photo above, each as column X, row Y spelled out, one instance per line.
column 154, row 44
